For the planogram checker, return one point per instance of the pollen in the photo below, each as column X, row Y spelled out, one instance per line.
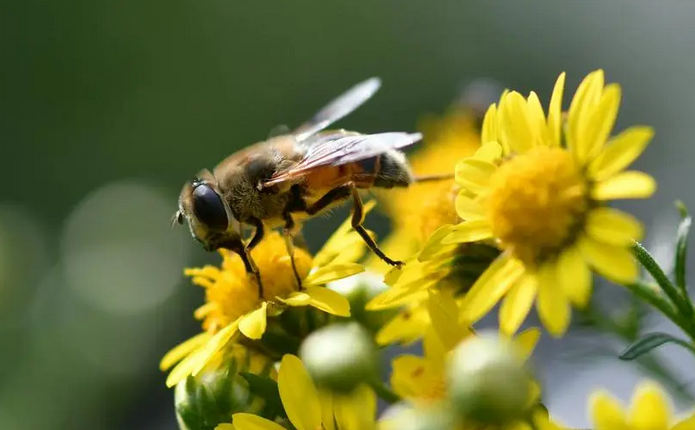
column 230, row 292
column 537, row 203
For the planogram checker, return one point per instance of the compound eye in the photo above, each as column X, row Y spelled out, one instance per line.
column 209, row 209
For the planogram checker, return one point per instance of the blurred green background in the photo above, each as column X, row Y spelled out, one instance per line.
column 107, row 107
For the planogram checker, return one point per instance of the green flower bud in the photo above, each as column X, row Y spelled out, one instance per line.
column 405, row 417
column 359, row 290
column 340, row 357
column 489, row 382
column 204, row 401
column 239, row 380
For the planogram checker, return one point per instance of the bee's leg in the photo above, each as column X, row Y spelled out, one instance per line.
column 289, row 244
column 246, row 253
column 334, row 195
column 357, row 219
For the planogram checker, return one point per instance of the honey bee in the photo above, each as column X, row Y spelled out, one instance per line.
column 287, row 179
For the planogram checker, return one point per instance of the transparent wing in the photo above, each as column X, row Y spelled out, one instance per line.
column 340, row 148
column 338, row 108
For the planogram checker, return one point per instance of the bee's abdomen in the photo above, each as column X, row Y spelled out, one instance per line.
column 390, row 169
column 386, row 170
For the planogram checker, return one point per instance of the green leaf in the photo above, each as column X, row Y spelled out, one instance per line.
column 651, row 341
column 266, row 389
column 682, row 245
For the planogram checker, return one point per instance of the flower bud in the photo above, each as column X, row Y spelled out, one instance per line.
column 340, row 357
column 359, row 290
column 209, row 399
column 404, row 417
column 489, row 382
column 220, row 390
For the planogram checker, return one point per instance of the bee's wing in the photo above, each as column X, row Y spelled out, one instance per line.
column 338, row 108
column 340, row 148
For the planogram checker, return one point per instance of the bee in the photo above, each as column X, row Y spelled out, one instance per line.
column 282, row 181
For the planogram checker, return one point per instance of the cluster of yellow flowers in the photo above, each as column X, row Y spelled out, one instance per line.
column 524, row 219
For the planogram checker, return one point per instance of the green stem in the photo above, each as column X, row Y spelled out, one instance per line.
column 682, row 248
column 649, row 364
column 682, row 303
column 651, row 295
column 384, row 392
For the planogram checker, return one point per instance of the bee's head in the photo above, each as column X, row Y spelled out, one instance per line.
column 208, row 215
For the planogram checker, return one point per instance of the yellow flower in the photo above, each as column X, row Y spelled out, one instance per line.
column 649, row 410
column 448, row 268
column 232, row 304
column 309, row 409
column 422, row 379
column 417, row 211
column 542, row 196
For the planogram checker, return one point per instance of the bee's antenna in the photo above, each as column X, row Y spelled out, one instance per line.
column 433, row 178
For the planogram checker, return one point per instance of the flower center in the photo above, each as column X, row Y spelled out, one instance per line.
column 537, row 203
column 435, row 209
column 230, row 292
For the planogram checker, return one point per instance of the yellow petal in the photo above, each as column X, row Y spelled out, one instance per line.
column 602, row 120
column 537, row 119
column 555, row 111
column 332, row 272
column 397, row 296
column 298, row 394
column 215, row 344
column 526, row 341
column 328, row 301
column 356, row 411
column 243, row 421
column 614, row 262
column 626, row 185
column 469, row 231
column 581, row 108
column 576, row 276
column 489, row 151
column 225, row 426
column 474, row 174
column 408, row 375
column 327, row 415
column 517, row 304
column 606, row 412
column 468, row 209
column 336, row 243
column 434, row 244
column 515, row 125
column 649, row 409
column 620, row 152
column 184, row 369
column 490, row 287
column 253, row 325
column 406, row 327
column 553, row 306
column 183, row 349
column 685, row 424
column 613, row 227
column 444, row 316
column 489, row 129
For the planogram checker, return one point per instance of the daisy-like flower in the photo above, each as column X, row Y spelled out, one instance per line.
column 451, row 269
column 308, row 408
column 232, row 304
column 417, row 211
column 422, row 379
column 541, row 195
column 649, row 409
